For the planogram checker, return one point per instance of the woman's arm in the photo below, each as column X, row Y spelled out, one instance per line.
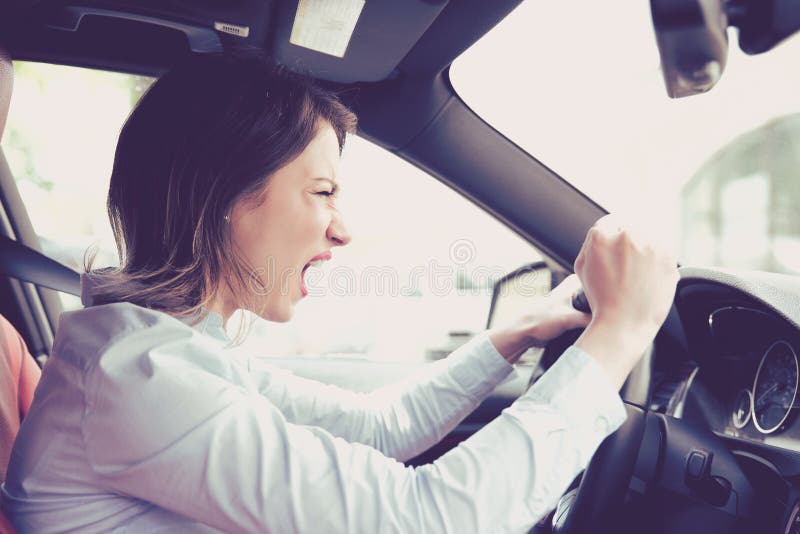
column 164, row 429
column 405, row 419
column 161, row 424
column 401, row 420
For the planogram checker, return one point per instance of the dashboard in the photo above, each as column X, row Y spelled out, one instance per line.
column 718, row 390
column 742, row 332
column 733, row 342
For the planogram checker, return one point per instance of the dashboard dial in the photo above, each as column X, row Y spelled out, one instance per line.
column 775, row 387
column 742, row 409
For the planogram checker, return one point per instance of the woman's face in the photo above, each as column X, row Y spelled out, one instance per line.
column 297, row 223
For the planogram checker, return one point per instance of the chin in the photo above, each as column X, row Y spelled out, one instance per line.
column 280, row 313
column 283, row 317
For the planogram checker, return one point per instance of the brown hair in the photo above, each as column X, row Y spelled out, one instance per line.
column 205, row 135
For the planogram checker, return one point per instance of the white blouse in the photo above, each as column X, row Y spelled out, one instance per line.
column 142, row 422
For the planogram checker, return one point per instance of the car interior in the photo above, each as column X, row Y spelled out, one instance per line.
column 712, row 438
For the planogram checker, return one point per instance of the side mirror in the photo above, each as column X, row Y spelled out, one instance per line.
column 513, row 293
column 510, row 297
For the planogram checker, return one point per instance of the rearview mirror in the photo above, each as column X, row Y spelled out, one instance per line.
column 693, row 41
column 693, row 44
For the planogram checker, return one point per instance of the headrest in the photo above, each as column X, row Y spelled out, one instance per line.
column 6, row 85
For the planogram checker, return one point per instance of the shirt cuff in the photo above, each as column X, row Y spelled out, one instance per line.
column 477, row 366
column 577, row 388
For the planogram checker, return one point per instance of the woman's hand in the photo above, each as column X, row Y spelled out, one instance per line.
column 548, row 318
column 630, row 285
column 553, row 315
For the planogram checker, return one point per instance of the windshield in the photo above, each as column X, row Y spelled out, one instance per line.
column 716, row 173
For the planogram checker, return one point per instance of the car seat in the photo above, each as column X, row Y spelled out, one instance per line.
column 19, row 372
column 19, row 375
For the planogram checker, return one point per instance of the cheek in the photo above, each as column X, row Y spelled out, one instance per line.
column 287, row 232
column 312, row 218
column 248, row 245
column 252, row 235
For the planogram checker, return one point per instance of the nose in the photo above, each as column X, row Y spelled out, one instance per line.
column 337, row 231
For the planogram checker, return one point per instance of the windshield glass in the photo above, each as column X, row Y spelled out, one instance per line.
column 717, row 173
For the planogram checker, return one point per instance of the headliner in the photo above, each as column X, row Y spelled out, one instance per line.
column 393, row 38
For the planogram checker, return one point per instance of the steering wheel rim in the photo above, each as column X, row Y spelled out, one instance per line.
column 606, row 479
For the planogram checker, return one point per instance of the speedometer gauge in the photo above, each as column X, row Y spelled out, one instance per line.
column 775, row 388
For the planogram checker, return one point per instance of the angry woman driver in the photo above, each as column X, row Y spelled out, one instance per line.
column 224, row 190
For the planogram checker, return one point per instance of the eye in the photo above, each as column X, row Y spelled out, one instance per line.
column 328, row 192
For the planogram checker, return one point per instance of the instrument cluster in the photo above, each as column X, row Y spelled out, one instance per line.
column 769, row 402
column 757, row 369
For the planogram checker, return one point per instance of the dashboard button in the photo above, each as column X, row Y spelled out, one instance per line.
column 698, row 465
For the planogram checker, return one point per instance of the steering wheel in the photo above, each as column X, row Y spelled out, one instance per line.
column 606, row 479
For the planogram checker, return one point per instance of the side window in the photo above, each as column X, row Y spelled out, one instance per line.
column 60, row 139
column 415, row 281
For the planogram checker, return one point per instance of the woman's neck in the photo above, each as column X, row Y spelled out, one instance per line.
column 223, row 305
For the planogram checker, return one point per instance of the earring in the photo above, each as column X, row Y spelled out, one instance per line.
column 227, row 218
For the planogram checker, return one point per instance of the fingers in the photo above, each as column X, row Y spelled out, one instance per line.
column 609, row 224
column 625, row 274
column 600, row 233
column 564, row 291
column 577, row 319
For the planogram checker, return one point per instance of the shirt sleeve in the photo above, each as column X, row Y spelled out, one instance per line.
column 400, row 420
column 186, row 439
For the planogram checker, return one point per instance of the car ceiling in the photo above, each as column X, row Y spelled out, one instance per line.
column 392, row 37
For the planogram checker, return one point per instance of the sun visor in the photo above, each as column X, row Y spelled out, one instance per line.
column 325, row 26
column 350, row 40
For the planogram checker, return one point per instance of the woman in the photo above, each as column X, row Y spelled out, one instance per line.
column 223, row 192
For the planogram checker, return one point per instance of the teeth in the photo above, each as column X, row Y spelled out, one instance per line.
column 316, row 263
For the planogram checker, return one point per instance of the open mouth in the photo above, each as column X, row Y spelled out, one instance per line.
column 316, row 261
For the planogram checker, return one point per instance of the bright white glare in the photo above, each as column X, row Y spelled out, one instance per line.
column 579, row 87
